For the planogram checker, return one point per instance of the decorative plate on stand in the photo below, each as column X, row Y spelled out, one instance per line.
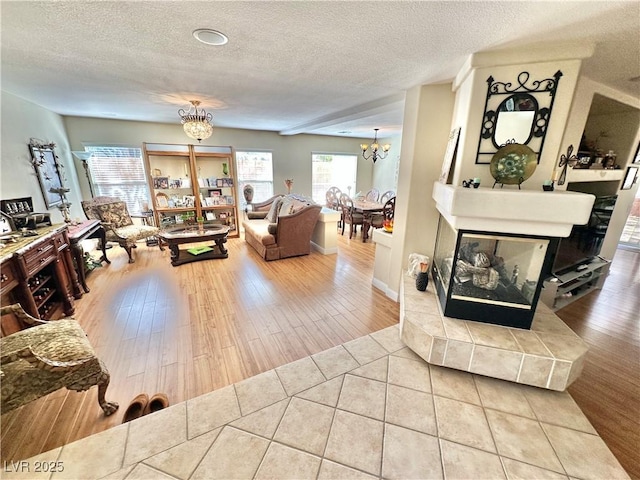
column 513, row 163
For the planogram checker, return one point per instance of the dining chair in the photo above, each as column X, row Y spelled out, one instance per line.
column 386, row 196
column 333, row 201
column 372, row 195
column 388, row 212
column 333, row 198
column 350, row 216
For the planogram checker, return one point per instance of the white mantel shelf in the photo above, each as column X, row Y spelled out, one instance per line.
column 509, row 210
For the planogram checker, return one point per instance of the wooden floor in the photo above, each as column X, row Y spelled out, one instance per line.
column 608, row 391
column 191, row 329
column 188, row 330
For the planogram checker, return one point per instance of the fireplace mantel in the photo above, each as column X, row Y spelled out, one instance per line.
column 526, row 212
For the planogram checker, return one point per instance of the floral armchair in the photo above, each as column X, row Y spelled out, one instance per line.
column 46, row 356
column 117, row 222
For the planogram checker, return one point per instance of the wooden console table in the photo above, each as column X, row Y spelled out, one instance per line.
column 78, row 233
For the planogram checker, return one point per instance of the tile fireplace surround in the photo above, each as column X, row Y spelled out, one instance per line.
column 550, row 355
column 367, row 409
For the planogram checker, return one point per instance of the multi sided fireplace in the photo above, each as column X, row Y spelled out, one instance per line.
column 494, row 248
column 490, row 277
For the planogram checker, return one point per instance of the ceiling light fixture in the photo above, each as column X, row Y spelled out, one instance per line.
column 210, row 37
column 196, row 123
column 375, row 146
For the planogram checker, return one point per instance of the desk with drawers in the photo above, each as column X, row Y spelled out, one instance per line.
column 38, row 273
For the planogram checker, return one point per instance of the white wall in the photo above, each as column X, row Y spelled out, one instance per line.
column 469, row 112
column 291, row 154
column 21, row 121
column 385, row 172
column 426, row 127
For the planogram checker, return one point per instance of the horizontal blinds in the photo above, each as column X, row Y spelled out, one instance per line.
column 119, row 172
column 255, row 168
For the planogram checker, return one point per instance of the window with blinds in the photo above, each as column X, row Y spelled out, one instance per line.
column 255, row 168
column 118, row 171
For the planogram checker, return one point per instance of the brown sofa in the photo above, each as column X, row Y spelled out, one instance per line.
column 289, row 235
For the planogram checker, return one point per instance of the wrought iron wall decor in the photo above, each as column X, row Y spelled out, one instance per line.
column 49, row 172
column 517, row 113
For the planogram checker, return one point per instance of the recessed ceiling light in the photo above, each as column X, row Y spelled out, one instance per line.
column 210, row 37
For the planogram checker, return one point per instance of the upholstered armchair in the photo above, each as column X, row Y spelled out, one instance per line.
column 117, row 223
column 44, row 357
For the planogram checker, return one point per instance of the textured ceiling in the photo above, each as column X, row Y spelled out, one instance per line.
column 292, row 67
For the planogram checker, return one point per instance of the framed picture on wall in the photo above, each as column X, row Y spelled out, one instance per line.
column 45, row 163
column 636, row 158
column 448, row 164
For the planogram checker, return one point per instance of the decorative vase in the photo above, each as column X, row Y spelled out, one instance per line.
column 422, row 280
column 225, row 169
column 247, row 191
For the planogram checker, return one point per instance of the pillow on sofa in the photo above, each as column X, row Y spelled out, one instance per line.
column 272, row 216
column 257, row 215
column 272, row 228
column 298, row 204
column 285, row 207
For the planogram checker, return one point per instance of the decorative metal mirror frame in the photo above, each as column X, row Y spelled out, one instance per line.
column 543, row 91
column 47, row 167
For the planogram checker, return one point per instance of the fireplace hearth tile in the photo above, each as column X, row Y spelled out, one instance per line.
column 458, row 355
column 535, row 371
column 549, row 356
column 530, row 343
column 496, row 362
column 438, row 349
column 492, row 336
column 559, row 374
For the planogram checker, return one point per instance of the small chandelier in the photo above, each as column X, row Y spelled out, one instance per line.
column 196, row 123
column 375, row 146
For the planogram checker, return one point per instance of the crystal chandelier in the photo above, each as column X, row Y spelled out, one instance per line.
column 196, row 123
column 375, row 146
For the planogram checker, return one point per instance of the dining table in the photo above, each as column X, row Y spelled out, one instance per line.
column 367, row 208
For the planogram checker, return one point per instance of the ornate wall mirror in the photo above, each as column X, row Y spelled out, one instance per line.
column 516, row 114
column 45, row 162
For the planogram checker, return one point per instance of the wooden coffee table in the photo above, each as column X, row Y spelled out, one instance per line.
column 216, row 234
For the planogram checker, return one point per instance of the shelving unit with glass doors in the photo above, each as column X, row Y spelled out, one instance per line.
column 192, row 182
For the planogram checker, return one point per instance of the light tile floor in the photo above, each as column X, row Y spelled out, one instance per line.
column 368, row 409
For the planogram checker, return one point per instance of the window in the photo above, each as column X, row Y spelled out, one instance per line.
column 333, row 170
column 117, row 171
column 255, row 168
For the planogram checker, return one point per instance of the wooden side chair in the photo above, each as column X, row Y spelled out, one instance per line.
column 372, row 195
column 117, row 222
column 350, row 216
column 388, row 212
column 39, row 357
column 386, row 196
column 333, row 201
